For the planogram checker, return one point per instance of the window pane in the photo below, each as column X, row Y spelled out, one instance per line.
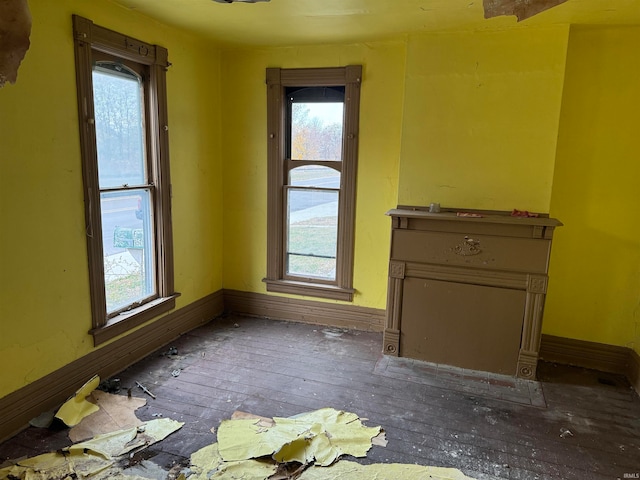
column 127, row 237
column 316, row 131
column 314, row 176
column 119, row 112
column 312, row 233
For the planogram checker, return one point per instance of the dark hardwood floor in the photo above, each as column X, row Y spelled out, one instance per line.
column 488, row 426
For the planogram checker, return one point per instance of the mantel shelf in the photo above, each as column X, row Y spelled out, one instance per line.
column 503, row 218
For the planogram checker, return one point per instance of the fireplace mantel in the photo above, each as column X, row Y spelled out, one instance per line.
column 467, row 288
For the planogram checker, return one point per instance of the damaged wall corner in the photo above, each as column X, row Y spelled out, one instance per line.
column 522, row 9
column 15, row 30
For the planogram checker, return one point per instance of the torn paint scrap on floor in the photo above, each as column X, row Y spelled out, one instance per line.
column 318, row 437
column 116, row 412
column 208, row 464
column 380, row 440
column 91, row 411
column 345, row 470
column 264, row 421
column 305, row 447
column 77, row 407
column 56, row 465
column 308, row 446
column 98, row 458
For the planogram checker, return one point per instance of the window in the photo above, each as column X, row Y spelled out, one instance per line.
column 125, row 163
column 312, row 155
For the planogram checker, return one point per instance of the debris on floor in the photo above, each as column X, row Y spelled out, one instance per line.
column 173, row 351
column 110, row 385
column 100, row 458
column 346, row 470
column 305, row 447
column 44, row 420
column 319, row 437
column 308, row 446
column 92, row 411
column 145, row 390
column 116, row 412
column 380, row 440
column 208, row 464
column 264, row 421
column 147, row 470
column 565, row 433
column 77, row 407
column 333, row 332
column 252, row 447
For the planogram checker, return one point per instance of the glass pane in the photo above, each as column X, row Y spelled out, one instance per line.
column 128, row 245
column 314, row 176
column 119, row 117
column 312, row 233
column 316, row 131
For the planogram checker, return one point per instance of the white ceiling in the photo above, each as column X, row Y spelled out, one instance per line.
column 299, row 22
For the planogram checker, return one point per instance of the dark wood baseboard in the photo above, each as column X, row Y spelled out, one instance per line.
column 599, row 356
column 306, row 311
column 17, row 408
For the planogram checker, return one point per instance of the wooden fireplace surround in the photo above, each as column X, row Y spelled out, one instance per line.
column 468, row 291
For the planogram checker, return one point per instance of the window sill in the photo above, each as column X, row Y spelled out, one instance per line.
column 127, row 320
column 310, row 289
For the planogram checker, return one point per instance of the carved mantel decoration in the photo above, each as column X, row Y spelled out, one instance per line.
column 468, row 290
column 467, row 247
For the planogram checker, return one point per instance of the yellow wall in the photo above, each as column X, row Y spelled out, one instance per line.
column 481, row 118
column 594, row 291
column 245, row 165
column 44, row 291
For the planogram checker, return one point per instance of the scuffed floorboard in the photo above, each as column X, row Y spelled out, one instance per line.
column 273, row 368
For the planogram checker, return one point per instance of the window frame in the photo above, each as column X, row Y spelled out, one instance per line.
column 89, row 38
column 278, row 79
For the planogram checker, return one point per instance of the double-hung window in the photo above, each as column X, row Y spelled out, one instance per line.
column 312, row 155
column 123, row 131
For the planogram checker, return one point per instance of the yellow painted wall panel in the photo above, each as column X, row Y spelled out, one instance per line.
column 196, row 169
column 481, row 117
column 594, row 292
column 44, row 289
column 245, row 153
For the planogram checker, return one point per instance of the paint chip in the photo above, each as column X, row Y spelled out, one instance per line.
column 116, row 412
column 306, row 447
column 346, row 470
column 98, row 458
column 207, row 464
column 319, row 437
column 77, row 407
